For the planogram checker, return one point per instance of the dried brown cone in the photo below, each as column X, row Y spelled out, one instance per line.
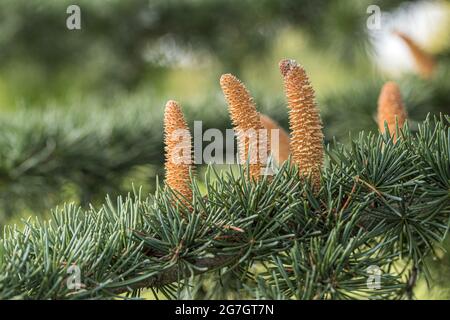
column 391, row 108
column 245, row 120
column 282, row 148
column 424, row 61
column 304, row 120
column 178, row 147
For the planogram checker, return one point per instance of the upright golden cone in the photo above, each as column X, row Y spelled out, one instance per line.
column 424, row 62
column 246, row 122
column 177, row 140
column 304, row 120
column 282, row 149
column 390, row 108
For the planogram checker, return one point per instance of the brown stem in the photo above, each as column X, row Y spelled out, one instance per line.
column 173, row 274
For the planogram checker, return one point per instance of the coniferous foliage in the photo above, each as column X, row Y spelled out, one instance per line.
column 382, row 202
column 376, row 203
column 43, row 152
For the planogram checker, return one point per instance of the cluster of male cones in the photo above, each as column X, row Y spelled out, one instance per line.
column 305, row 144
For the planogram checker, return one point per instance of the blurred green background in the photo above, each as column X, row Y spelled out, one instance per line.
column 81, row 110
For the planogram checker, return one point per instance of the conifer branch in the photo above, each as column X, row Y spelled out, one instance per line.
column 136, row 243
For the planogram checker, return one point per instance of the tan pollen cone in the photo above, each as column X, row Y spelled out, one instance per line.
column 424, row 61
column 391, row 108
column 281, row 148
column 304, row 121
column 246, row 122
column 178, row 151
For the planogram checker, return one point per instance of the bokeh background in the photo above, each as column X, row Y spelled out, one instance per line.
column 81, row 110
